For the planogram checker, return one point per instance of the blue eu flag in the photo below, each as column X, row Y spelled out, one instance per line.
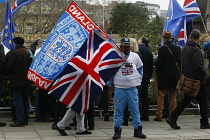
column 8, row 29
column 174, row 19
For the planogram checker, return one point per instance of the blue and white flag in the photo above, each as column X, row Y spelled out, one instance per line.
column 62, row 44
column 174, row 19
column 8, row 29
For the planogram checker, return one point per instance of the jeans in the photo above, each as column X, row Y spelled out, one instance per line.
column 123, row 97
column 20, row 98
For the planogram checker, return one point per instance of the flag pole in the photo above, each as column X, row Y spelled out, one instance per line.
column 205, row 27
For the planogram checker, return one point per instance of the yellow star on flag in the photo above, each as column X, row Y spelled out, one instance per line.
column 6, row 34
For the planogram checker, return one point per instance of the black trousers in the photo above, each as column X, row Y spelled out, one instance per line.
column 89, row 117
column 202, row 100
column 60, row 111
column 143, row 98
column 104, row 101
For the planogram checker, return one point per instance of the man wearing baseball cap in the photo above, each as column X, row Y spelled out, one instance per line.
column 126, row 81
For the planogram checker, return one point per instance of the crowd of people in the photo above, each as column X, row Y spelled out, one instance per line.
column 129, row 85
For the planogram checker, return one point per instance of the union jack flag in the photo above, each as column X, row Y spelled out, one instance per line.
column 192, row 11
column 83, row 79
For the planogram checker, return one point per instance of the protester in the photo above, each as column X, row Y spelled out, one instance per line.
column 126, row 80
column 17, row 68
column 70, row 114
column 167, row 70
column 133, row 48
column 192, row 67
column 147, row 59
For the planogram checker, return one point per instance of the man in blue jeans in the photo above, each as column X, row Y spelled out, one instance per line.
column 126, row 80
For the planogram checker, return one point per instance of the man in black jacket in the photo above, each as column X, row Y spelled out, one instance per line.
column 17, row 68
column 167, row 70
column 147, row 59
column 193, row 67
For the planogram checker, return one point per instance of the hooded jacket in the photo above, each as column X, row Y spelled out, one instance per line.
column 193, row 61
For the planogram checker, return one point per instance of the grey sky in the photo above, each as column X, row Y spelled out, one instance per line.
column 163, row 3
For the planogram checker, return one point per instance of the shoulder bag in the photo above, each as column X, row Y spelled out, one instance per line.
column 188, row 86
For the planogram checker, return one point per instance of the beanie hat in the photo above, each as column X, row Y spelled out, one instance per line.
column 18, row 40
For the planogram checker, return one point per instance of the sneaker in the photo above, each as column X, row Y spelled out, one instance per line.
column 83, row 133
column 61, row 131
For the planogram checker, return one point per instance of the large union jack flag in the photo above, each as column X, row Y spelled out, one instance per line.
column 83, row 79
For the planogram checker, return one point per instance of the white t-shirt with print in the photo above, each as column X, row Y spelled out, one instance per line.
column 128, row 76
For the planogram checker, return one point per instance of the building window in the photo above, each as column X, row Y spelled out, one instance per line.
column 29, row 26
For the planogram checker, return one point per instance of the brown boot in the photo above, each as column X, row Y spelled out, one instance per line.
column 157, row 119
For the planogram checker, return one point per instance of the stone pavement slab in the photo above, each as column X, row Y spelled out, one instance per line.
column 190, row 129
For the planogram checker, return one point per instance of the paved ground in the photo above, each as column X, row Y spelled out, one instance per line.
column 104, row 131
